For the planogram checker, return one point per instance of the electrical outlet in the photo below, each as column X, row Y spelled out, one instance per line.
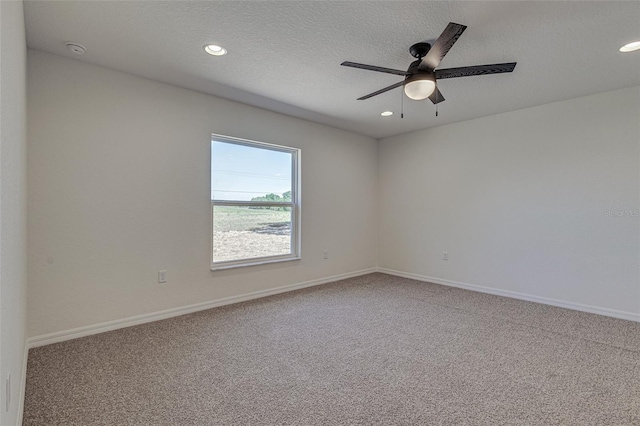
column 325, row 254
column 162, row 276
column 445, row 255
column 8, row 393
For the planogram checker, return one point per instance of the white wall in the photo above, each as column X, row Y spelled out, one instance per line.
column 119, row 188
column 519, row 201
column 13, row 196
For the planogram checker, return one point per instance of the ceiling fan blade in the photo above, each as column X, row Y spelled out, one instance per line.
column 475, row 70
column 373, row 68
column 436, row 97
column 442, row 45
column 386, row 89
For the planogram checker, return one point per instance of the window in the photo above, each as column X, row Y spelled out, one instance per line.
column 255, row 202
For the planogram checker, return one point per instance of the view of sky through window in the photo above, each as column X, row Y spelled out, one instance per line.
column 241, row 173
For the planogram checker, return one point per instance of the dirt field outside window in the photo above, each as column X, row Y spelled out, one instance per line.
column 245, row 233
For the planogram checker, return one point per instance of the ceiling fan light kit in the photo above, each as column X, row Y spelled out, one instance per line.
column 420, row 79
column 419, row 86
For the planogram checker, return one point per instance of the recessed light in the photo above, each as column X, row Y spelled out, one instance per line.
column 215, row 50
column 386, row 113
column 630, row 47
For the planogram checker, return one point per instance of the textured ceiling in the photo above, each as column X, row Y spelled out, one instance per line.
column 285, row 55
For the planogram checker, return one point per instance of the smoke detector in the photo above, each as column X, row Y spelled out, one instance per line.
column 76, row 48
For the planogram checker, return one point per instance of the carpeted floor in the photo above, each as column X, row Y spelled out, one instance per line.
column 375, row 349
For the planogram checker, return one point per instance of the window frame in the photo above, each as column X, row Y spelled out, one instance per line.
column 294, row 204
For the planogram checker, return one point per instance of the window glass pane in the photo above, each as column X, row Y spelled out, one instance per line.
column 245, row 173
column 250, row 232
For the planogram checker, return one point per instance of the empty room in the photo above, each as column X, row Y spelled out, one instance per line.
column 319, row 213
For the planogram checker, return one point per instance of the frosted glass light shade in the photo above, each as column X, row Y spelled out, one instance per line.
column 419, row 89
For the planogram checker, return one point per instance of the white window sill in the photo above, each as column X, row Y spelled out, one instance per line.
column 252, row 263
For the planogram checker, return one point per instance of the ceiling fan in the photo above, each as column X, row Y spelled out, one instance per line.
column 421, row 76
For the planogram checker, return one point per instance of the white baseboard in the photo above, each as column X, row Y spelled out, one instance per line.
column 631, row 316
column 23, row 383
column 75, row 333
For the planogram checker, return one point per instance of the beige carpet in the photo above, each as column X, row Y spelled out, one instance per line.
column 375, row 349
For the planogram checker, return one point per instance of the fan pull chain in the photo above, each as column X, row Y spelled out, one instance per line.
column 402, row 104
